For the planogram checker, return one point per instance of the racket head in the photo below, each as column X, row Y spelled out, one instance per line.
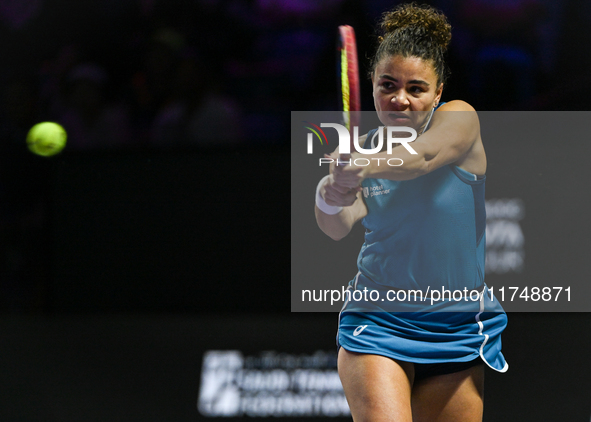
column 349, row 76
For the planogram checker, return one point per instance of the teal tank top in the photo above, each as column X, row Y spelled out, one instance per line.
column 428, row 232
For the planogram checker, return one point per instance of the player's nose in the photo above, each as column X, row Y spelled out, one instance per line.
column 399, row 98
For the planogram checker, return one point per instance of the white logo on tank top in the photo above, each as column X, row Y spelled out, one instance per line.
column 375, row 191
column 358, row 330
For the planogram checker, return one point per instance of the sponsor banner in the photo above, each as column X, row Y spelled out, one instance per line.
column 270, row 384
column 505, row 242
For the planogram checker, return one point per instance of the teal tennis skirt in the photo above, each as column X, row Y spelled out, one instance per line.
column 449, row 331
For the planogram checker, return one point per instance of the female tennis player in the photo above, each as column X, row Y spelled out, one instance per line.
column 425, row 230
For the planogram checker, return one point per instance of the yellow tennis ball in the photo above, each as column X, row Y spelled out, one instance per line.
column 46, row 139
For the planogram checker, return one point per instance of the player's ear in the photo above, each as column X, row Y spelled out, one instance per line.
column 438, row 94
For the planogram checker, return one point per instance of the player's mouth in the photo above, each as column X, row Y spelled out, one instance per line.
column 399, row 118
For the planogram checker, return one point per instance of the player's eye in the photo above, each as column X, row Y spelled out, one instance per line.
column 416, row 89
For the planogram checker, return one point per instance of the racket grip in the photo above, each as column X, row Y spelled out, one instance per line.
column 343, row 158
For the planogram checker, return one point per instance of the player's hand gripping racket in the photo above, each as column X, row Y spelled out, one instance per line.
column 349, row 74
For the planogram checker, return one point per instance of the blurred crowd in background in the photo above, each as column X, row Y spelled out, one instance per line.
column 166, row 74
column 146, row 75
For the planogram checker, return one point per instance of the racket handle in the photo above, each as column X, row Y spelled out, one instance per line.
column 344, row 157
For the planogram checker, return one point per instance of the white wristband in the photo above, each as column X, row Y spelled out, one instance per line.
column 321, row 203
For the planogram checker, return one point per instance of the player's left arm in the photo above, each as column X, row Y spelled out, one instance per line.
column 454, row 130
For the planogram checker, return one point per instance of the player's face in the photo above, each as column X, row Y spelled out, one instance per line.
column 405, row 90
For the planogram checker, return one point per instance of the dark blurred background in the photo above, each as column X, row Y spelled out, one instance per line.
column 168, row 211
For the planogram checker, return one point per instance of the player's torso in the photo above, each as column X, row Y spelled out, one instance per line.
column 428, row 231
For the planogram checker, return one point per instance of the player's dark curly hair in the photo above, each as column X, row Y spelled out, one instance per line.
column 412, row 30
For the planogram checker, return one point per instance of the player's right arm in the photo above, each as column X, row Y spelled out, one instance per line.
column 338, row 225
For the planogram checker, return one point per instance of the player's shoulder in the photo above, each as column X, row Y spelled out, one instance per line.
column 456, row 105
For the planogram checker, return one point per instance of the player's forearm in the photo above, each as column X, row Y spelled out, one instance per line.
column 449, row 138
column 399, row 165
column 336, row 226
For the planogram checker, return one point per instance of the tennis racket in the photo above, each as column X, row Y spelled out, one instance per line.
column 349, row 77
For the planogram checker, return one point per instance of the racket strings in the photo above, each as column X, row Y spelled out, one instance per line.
column 345, row 86
column 349, row 76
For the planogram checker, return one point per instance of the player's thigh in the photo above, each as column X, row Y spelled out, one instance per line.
column 377, row 388
column 456, row 397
